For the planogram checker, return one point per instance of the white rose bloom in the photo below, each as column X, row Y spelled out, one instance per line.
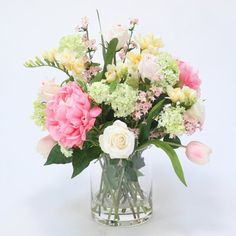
column 120, row 32
column 117, row 140
column 148, row 67
column 47, row 90
column 197, row 112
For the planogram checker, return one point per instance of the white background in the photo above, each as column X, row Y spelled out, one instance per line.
column 43, row 201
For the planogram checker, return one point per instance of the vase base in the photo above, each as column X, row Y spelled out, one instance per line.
column 124, row 220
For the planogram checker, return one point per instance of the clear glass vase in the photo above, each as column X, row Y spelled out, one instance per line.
column 121, row 190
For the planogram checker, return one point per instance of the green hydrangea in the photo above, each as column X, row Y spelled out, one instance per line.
column 99, row 92
column 72, row 43
column 39, row 115
column 67, row 152
column 169, row 70
column 123, row 100
column 171, row 118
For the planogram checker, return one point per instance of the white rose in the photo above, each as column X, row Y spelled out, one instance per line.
column 148, row 67
column 120, row 32
column 197, row 112
column 117, row 140
column 47, row 90
column 45, row 145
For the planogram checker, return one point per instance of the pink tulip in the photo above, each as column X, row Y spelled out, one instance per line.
column 198, row 152
column 45, row 145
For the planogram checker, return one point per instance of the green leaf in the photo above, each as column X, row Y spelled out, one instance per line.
column 82, row 158
column 56, row 157
column 130, row 172
column 174, row 140
column 111, row 51
column 112, row 176
column 113, row 85
column 145, row 127
column 138, row 160
column 97, row 77
column 171, row 154
column 102, row 39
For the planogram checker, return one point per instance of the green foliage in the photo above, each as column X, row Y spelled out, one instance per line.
column 112, row 176
column 131, row 172
column 82, row 158
column 171, row 154
column 145, row 127
column 56, row 157
column 110, row 54
column 174, row 140
column 37, row 62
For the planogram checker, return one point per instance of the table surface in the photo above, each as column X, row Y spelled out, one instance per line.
column 44, row 201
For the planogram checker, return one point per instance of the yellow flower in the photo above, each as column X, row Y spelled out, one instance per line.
column 185, row 95
column 49, row 55
column 149, row 43
column 68, row 60
column 111, row 73
column 116, row 72
column 176, row 94
column 134, row 58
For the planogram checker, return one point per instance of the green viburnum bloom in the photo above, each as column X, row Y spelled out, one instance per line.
column 67, row 152
column 39, row 115
column 123, row 100
column 171, row 118
column 73, row 43
column 99, row 92
column 169, row 70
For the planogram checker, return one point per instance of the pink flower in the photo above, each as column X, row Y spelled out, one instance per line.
column 188, row 76
column 194, row 117
column 45, row 145
column 198, row 152
column 133, row 21
column 47, row 90
column 69, row 116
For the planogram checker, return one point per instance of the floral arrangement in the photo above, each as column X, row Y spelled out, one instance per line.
column 140, row 95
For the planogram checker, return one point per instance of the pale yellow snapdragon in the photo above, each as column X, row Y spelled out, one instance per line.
column 185, row 95
column 149, row 43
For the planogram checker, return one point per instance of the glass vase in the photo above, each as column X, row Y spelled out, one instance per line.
column 121, row 190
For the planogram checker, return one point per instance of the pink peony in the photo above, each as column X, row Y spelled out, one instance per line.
column 198, row 152
column 45, row 145
column 69, row 116
column 188, row 76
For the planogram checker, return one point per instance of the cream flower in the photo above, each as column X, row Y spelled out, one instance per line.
column 47, row 90
column 149, row 43
column 120, row 32
column 185, row 95
column 117, row 140
column 196, row 112
column 148, row 67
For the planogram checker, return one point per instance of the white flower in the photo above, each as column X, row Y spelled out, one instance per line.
column 196, row 112
column 148, row 67
column 120, row 32
column 117, row 140
column 47, row 90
